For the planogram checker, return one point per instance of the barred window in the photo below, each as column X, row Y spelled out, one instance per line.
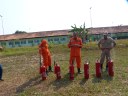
column 17, row 42
column 23, row 42
column 30, row 41
column 10, row 43
column 3, row 43
column 50, row 39
column 63, row 39
column 36, row 41
column 56, row 39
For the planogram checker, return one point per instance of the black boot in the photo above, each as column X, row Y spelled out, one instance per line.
column 106, row 67
column 79, row 72
column 50, row 69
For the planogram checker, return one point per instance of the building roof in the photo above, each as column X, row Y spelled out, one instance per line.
column 34, row 35
column 113, row 29
column 98, row 30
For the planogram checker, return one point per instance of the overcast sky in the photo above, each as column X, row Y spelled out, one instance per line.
column 42, row 15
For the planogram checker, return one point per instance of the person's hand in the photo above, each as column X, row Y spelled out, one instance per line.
column 100, row 48
column 75, row 45
column 78, row 45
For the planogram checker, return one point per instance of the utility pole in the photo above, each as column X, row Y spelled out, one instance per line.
column 2, row 23
column 91, row 16
column 2, row 28
column 91, row 21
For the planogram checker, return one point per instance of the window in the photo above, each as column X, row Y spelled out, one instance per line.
column 30, row 41
column 36, row 41
column 56, row 39
column 3, row 43
column 63, row 39
column 10, row 43
column 17, row 42
column 49, row 39
column 23, row 42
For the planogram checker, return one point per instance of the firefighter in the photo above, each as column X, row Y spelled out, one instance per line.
column 46, row 56
column 1, row 72
column 75, row 45
column 105, row 44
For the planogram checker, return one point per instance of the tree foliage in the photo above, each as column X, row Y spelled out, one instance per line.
column 20, row 32
column 82, row 31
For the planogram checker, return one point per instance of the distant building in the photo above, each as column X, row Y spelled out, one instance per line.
column 116, row 32
column 33, row 39
column 60, row 36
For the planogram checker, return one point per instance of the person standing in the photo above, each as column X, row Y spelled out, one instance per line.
column 105, row 44
column 75, row 45
column 45, row 54
column 1, row 72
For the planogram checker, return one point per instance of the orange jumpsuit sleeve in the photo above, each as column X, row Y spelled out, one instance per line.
column 69, row 44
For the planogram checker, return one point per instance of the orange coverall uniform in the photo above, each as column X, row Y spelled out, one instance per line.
column 75, row 51
column 45, row 53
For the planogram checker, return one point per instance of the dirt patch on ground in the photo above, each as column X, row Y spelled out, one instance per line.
column 18, row 71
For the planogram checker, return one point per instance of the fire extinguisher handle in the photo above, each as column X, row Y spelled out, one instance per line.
column 98, row 58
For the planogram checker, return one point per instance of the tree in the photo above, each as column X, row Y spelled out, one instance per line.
column 20, row 32
column 82, row 31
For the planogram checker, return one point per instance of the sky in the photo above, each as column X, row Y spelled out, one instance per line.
column 46, row 15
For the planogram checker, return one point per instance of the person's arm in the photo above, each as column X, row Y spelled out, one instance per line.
column 71, row 45
column 79, row 45
column 113, row 42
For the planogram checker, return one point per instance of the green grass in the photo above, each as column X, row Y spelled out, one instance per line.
column 18, row 51
column 22, row 78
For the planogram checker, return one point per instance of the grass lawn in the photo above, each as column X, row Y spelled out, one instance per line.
column 21, row 73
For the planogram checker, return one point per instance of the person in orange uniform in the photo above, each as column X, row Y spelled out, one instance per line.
column 46, row 56
column 75, row 45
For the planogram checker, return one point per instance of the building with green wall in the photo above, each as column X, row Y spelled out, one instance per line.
column 116, row 32
column 34, row 38
column 60, row 36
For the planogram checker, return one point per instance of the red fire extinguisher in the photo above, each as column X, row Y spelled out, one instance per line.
column 44, row 75
column 110, row 68
column 71, row 71
column 57, row 71
column 98, row 69
column 86, row 70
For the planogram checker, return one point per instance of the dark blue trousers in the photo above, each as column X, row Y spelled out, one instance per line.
column 1, row 71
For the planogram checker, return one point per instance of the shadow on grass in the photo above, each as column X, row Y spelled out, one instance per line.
column 30, row 83
column 104, row 76
column 83, row 81
column 63, row 82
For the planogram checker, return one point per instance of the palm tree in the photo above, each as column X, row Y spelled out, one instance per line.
column 82, row 31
